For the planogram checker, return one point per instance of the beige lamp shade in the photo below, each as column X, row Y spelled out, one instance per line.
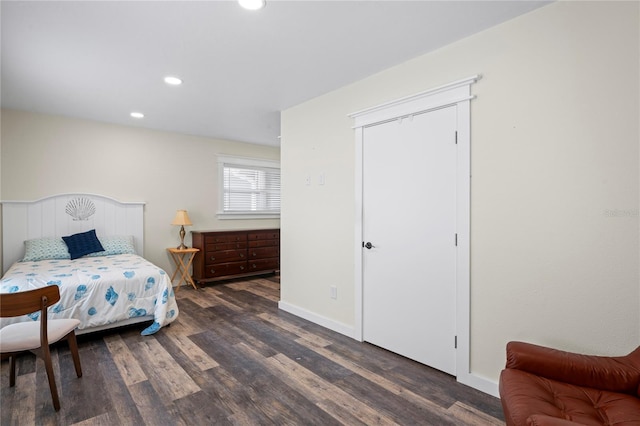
column 182, row 218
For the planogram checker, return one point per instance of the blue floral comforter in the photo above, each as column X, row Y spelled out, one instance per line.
column 98, row 290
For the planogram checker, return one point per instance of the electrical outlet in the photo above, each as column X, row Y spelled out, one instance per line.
column 334, row 292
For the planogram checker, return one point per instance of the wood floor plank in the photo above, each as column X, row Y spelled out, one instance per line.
column 119, row 404
column 339, row 413
column 233, row 333
column 191, row 412
column 221, row 386
column 296, row 406
column 272, row 285
column 219, row 298
column 198, row 319
column 202, row 297
column 265, row 390
column 169, row 380
column 468, row 415
column 298, row 331
column 377, row 379
column 195, row 354
column 318, row 389
column 26, row 365
column 393, row 406
column 153, row 413
column 78, row 394
column 105, row 419
column 230, row 358
column 369, row 356
column 114, row 390
column 255, row 288
column 187, row 326
column 127, row 364
column 286, row 343
column 24, row 401
column 249, row 302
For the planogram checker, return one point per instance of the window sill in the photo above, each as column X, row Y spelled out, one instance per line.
column 226, row 216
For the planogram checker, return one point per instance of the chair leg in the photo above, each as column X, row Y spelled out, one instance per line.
column 73, row 347
column 46, row 355
column 12, row 371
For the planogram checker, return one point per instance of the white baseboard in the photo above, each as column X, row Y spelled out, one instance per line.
column 480, row 383
column 332, row 325
column 469, row 379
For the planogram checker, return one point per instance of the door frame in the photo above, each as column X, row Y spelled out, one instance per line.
column 458, row 94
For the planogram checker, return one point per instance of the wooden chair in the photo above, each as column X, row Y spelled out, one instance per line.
column 36, row 336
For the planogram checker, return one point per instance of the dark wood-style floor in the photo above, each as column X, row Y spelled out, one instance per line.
column 233, row 358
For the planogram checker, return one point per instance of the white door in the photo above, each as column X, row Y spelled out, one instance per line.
column 409, row 218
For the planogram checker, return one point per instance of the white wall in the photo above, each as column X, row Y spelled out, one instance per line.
column 44, row 155
column 555, row 187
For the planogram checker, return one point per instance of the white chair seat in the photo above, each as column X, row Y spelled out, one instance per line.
column 25, row 336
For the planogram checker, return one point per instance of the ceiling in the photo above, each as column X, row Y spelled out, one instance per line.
column 101, row 60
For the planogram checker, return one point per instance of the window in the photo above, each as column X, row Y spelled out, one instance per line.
column 249, row 188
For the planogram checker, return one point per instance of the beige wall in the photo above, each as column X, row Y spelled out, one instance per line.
column 1, row 249
column 555, row 188
column 45, row 155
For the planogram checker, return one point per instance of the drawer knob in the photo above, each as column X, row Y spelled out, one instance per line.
column 213, row 271
column 213, row 258
column 242, row 267
column 241, row 254
column 254, row 254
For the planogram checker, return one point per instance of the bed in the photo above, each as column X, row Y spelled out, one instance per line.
column 90, row 246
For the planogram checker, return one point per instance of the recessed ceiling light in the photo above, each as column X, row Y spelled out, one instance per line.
column 252, row 4
column 174, row 81
column 137, row 115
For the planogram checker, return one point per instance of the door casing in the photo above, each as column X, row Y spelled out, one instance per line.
column 456, row 94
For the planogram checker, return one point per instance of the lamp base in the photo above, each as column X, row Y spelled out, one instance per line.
column 182, row 234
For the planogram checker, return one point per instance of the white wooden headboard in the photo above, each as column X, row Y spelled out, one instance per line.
column 67, row 214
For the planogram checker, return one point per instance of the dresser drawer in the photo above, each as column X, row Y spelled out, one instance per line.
column 225, row 238
column 264, row 243
column 213, row 257
column 263, row 252
column 225, row 246
column 263, row 264
column 267, row 235
column 224, row 269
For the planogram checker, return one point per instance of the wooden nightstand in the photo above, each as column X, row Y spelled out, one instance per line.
column 183, row 259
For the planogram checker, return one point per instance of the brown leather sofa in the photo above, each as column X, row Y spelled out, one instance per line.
column 544, row 386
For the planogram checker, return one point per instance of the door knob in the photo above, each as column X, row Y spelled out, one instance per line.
column 368, row 245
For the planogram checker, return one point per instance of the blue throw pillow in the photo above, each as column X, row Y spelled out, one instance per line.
column 83, row 244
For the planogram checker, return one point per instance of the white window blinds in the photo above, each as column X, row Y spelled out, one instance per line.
column 250, row 188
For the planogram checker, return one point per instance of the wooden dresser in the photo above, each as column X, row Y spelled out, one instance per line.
column 232, row 254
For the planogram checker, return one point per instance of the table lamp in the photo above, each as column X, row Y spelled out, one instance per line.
column 182, row 219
